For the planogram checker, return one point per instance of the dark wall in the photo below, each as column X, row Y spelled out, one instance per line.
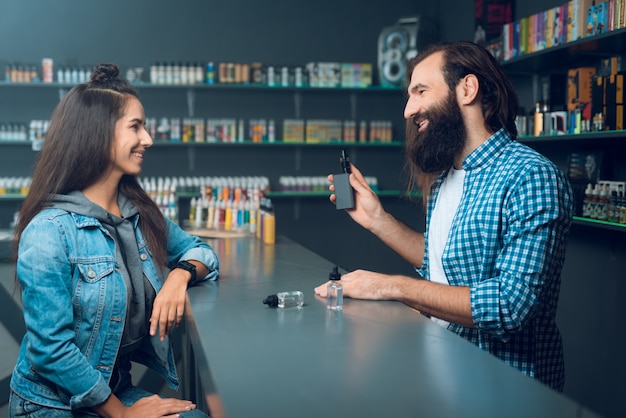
column 139, row 32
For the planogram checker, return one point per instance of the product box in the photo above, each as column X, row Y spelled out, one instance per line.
column 323, row 130
column 602, row 12
column 614, row 102
column 328, row 74
column 356, row 75
column 560, row 24
column 614, row 89
column 530, row 34
column 611, row 65
column 578, row 18
column 614, row 117
column 579, row 82
column 523, row 36
column 293, row 130
column 598, row 97
column 540, row 41
column 548, row 27
column 572, row 27
column 597, row 19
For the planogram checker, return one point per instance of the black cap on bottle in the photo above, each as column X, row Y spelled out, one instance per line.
column 334, row 275
column 271, row 301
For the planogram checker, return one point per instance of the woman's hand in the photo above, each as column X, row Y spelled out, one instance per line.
column 157, row 407
column 169, row 304
column 149, row 407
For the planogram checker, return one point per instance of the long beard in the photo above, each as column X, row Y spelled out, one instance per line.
column 434, row 149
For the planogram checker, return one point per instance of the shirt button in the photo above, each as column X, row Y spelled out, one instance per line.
column 91, row 273
column 143, row 256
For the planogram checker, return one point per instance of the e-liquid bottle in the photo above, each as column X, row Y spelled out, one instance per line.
column 290, row 299
column 334, row 291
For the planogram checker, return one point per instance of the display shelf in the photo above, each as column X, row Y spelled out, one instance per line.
column 218, row 86
column 276, row 102
column 292, row 194
column 17, row 142
column 12, row 196
column 159, row 143
column 578, row 220
column 579, row 53
column 279, row 144
column 557, row 60
column 326, row 193
column 587, row 136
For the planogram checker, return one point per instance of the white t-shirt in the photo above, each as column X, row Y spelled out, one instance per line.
column 440, row 222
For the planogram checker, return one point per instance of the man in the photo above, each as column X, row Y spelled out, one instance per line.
column 498, row 215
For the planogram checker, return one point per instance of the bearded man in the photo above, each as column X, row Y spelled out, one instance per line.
column 497, row 215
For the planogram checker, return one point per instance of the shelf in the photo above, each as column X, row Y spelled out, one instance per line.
column 326, row 193
column 589, row 136
column 12, row 196
column 578, row 220
column 26, row 143
column 220, row 86
column 578, row 53
column 158, row 143
column 278, row 144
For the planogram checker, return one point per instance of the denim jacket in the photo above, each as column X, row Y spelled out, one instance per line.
column 74, row 301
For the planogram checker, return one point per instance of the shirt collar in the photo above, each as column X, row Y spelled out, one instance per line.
column 488, row 150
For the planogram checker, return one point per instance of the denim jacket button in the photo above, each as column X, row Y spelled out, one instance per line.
column 143, row 256
column 91, row 273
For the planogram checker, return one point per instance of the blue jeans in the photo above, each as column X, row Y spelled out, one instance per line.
column 124, row 390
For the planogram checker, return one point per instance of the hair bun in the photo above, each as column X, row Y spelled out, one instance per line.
column 104, row 73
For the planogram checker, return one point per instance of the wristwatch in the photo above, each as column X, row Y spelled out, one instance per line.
column 186, row 265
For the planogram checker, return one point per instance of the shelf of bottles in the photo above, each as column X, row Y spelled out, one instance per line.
column 587, row 136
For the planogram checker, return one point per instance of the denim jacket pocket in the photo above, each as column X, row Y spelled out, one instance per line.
column 92, row 272
column 91, row 280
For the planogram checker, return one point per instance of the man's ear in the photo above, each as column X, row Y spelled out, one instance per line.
column 467, row 89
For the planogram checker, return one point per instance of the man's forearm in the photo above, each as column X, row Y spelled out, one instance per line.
column 406, row 242
column 450, row 303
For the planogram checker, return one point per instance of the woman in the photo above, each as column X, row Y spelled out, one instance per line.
column 92, row 249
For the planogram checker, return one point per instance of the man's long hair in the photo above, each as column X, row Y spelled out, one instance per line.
column 496, row 93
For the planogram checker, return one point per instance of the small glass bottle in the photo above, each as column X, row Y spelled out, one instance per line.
column 290, row 299
column 334, row 291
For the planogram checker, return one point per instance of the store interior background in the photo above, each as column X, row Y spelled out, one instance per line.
column 275, row 32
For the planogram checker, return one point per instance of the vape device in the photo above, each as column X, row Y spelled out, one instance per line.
column 343, row 191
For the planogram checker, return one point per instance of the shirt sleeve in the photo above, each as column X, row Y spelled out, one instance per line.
column 183, row 246
column 535, row 222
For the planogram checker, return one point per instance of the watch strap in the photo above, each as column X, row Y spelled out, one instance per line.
column 186, row 265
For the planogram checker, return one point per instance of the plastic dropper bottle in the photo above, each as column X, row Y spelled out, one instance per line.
column 334, row 290
column 285, row 299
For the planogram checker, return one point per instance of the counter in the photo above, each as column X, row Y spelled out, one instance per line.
column 373, row 359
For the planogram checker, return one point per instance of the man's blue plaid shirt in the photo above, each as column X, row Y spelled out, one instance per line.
column 507, row 243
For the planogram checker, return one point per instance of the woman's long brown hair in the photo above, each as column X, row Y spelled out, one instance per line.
column 77, row 151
